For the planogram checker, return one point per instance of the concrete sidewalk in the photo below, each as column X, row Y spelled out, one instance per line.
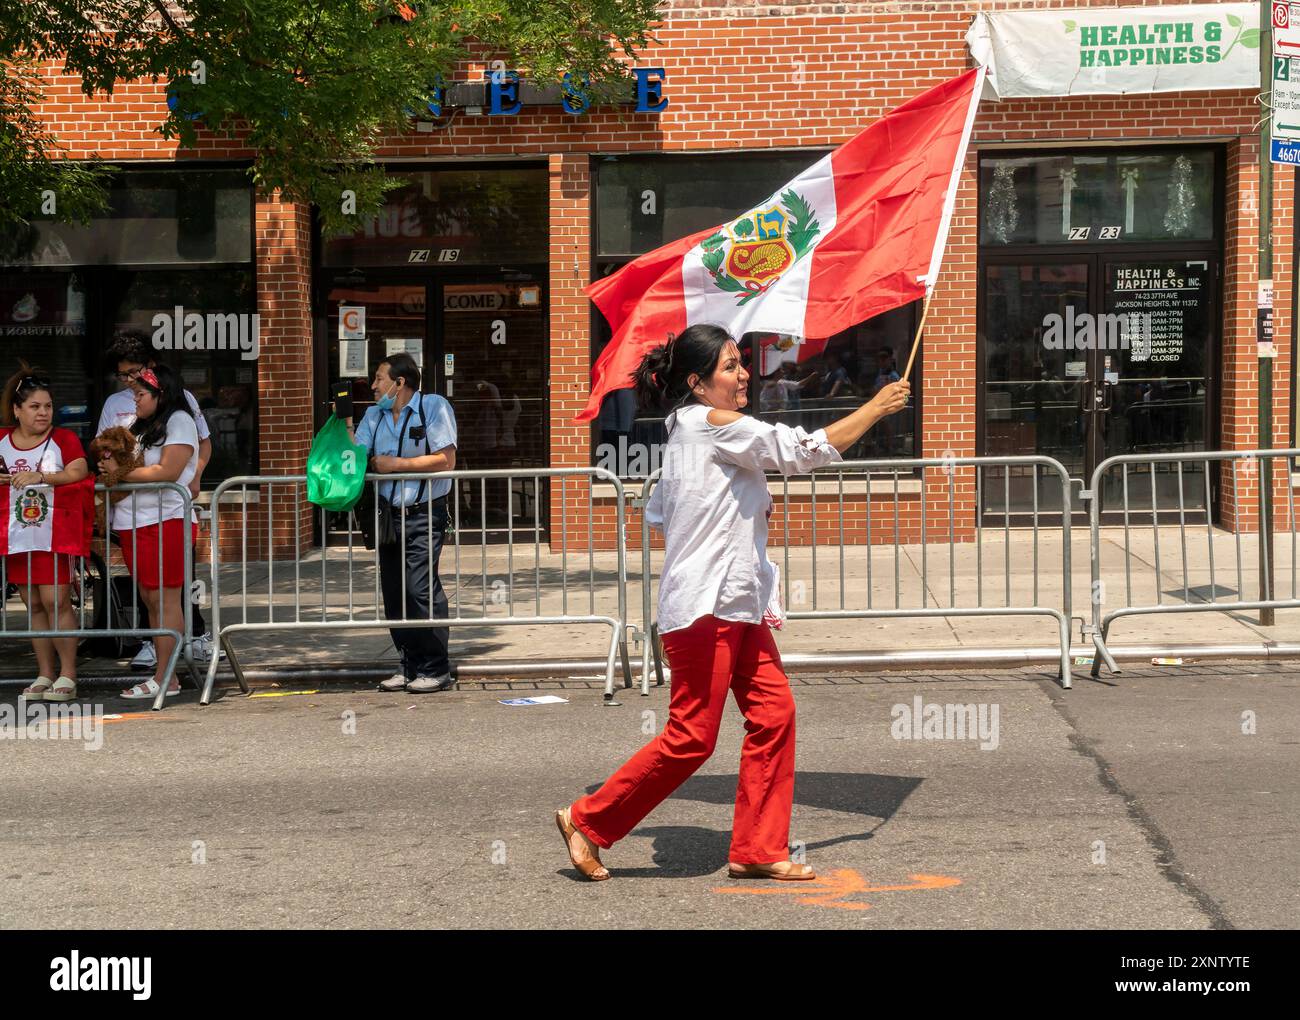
column 996, row 573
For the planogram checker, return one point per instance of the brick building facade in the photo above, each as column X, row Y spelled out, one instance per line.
column 765, row 86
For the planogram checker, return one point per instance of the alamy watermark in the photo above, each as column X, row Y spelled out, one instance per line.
column 180, row 330
column 77, row 973
column 1087, row 332
column 933, row 721
column 640, row 460
column 40, row 721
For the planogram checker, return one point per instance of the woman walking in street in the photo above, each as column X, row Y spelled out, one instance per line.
column 718, row 594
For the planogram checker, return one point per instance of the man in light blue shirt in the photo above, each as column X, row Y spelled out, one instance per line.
column 407, row 431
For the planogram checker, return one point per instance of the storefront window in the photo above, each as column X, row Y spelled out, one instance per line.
column 808, row 384
column 1165, row 195
column 224, row 382
column 197, row 222
column 1091, row 346
column 450, row 218
column 43, row 322
column 153, row 218
column 814, row 383
column 644, row 202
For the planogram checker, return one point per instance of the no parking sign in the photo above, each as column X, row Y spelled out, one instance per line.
column 1286, row 28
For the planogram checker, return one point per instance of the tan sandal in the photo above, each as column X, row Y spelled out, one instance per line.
column 64, row 689
column 791, row 873
column 37, row 691
column 588, row 863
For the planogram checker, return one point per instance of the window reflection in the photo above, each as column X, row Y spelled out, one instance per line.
column 1097, row 197
column 808, row 384
column 816, row 382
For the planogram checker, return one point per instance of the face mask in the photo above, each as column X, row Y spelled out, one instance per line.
column 385, row 403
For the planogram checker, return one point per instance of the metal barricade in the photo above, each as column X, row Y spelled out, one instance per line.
column 350, row 599
column 1151, row 471
column 1040, row 475
column 92, row 580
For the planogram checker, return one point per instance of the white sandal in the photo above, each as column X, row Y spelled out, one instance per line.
column 64, row 689
column 38, row 690
column 146, row 691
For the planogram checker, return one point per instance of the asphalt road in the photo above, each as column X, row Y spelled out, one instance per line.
column 1141, row 804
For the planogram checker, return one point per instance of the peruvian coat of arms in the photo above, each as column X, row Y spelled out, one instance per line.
column 32, row 508
column 750, row 254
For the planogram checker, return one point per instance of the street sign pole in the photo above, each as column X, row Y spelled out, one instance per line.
column 1266, row 616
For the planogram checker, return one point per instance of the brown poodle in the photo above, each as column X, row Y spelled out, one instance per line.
column 120, row 444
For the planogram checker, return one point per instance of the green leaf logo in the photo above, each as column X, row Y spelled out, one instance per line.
column 1250, row 38
column 1070, row 26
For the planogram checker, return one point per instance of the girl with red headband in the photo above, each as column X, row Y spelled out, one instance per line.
column 169, row 440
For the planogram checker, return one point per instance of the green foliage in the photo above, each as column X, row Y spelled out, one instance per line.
column 33, row 169
column 311, row 86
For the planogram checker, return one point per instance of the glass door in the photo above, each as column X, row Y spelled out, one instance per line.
column 1092, row 357
column 492, row 359
column 1034, row 388
column 367, row 319
column 1155, row 389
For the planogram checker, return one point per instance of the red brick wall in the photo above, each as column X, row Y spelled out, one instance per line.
column 784, row 75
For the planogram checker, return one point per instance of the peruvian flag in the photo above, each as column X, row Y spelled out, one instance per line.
column 45, row 518
column 856, row 234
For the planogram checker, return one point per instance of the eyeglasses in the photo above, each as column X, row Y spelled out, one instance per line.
column 130, row 376
column 33, row 382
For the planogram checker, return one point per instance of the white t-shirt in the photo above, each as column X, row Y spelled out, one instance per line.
column 119, row 409
column 712, row 505
column 141, row 509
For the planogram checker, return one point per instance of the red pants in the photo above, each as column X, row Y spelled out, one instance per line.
column 708, row 658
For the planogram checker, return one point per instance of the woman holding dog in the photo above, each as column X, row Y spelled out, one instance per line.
column 45, row 496
column 151, row 525
column 718, row 595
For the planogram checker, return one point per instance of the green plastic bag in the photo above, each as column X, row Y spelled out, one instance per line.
column 336, row 468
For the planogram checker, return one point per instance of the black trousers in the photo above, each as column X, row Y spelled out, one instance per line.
column 423, row 649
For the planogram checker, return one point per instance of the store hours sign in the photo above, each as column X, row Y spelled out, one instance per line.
column 1117, row 50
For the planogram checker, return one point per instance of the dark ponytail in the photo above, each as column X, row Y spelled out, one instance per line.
column 663, row 373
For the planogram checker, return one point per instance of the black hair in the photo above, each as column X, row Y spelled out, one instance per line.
column 403, row 366
column 663, row 373
column 171, row 398
column 129, row 345
column 21, row 385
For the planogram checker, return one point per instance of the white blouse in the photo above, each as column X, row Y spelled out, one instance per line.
column 712, row 504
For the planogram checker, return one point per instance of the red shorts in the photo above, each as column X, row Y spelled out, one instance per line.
column 140, row 550
column 42, row 568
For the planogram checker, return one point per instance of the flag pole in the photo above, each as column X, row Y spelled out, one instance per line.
column 950, row 200
column 916, row 341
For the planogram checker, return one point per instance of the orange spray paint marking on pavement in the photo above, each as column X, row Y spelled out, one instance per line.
column 831, row 889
